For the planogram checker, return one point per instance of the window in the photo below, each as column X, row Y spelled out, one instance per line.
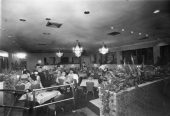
column 64, row 60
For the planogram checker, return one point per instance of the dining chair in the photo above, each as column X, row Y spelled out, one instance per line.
column 17, row 93
column 60, row 81
column 19, row 87
column 90, row 88
column 57, row 106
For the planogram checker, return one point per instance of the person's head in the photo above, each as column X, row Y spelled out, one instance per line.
column 58, row 72
column 90, row 78
column 24, row 72
column 71, row 71
column 63, row 73
column 84, row 64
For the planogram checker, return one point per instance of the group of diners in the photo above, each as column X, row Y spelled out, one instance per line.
column 82, row 79
column 58, row 76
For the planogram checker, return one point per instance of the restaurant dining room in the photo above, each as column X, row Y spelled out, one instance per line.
column 85, row 58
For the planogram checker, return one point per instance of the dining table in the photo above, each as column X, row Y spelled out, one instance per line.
column 41, row 96
column 96, row 83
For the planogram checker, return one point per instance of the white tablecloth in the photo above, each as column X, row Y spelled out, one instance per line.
column 83, row 83
column 42, row 96
column 97, row 102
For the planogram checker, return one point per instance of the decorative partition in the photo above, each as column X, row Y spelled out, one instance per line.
column 6, row 98
column 147, row 99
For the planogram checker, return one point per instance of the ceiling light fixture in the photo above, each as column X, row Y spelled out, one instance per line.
column 3, row 54
column 104, row 49
column 112, row 27
column 59, row 54
column 21, row 55
column 77, row 49
column 139, row 33
column 86, row 12
column 131, row 31
column 123, row 29
column 146, row 34
column 48, row 19
column 156, row 11
column 22, row 19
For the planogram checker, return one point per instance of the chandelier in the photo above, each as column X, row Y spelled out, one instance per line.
column 103, row 50
column 59, row 54
column 78, row 49
column 21, row 55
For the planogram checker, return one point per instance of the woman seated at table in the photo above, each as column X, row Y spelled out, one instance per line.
column 60, row 80
column 74, row 75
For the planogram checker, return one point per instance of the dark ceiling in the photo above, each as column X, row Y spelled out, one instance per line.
column 117, row 23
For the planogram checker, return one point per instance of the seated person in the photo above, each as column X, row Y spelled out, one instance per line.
column 90, row 78
column 69, row 79
column 35, row 79
column 74, row 75
column 71, row 73
column 62, row 77
column 25, row 71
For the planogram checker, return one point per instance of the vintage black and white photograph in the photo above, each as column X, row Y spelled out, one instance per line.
column 84, row 57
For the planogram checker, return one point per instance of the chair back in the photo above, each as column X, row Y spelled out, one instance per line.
column 35, row 86
column 60, row 104
column 20, row 87
column 96, row 76
column 90, row 86
column 60, row 81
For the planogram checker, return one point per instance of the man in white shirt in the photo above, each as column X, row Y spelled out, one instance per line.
column 73, row 75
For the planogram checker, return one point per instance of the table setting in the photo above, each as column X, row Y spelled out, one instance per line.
column 41, row 96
